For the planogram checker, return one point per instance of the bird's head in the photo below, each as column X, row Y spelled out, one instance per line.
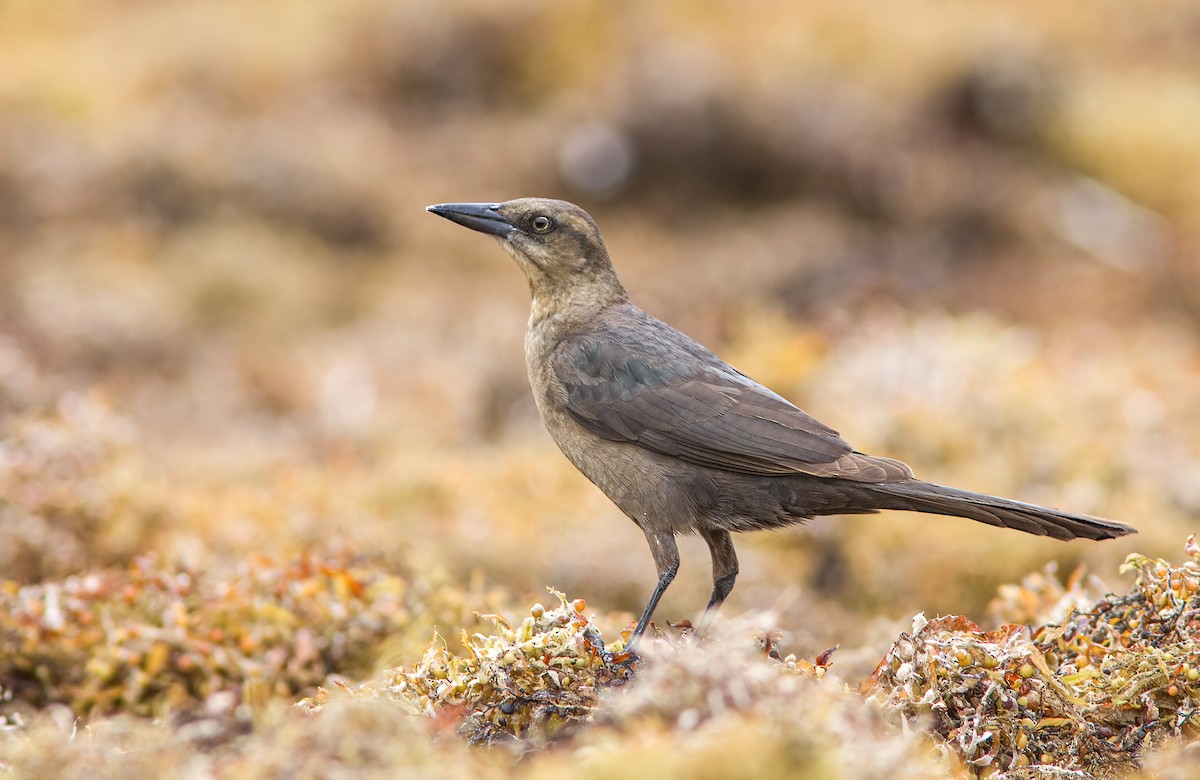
column 556, row 243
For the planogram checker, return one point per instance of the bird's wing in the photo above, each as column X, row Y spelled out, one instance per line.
column 674, row 397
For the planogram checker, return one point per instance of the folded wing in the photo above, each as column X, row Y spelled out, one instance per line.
column 676, row 398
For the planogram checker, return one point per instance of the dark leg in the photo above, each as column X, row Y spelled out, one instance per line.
column 666, row 560
column 725, row 569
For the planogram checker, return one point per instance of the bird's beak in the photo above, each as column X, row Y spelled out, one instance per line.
column 477, row 216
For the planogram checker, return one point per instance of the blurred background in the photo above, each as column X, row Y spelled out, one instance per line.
column 964, row 235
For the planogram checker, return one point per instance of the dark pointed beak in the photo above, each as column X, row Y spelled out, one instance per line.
column 477, row 216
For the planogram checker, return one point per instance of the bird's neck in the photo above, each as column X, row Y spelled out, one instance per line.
column 572, row 308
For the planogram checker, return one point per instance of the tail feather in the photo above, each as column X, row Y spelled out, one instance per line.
column 917, row 496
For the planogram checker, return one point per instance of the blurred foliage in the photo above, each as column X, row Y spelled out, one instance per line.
column 235, row 350
column 149, row 639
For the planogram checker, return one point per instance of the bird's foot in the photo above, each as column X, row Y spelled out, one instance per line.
column 621, row 664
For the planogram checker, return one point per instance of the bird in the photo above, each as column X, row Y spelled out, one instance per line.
column 681, row 441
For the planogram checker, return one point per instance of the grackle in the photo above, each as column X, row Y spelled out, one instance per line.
column 677, row 438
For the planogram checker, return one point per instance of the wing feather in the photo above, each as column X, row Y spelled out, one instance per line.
column 672, row 396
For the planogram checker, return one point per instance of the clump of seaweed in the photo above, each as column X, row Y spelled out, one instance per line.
column 533, row 682
column 1090, row 694
column 686, row 706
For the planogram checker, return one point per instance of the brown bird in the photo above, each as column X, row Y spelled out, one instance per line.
column 677, row 438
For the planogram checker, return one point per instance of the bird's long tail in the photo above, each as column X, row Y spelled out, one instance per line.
column 917, row 496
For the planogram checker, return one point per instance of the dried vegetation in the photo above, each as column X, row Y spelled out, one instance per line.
column 1093, row 692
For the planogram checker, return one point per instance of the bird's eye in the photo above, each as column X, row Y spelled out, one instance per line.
column 542, row 224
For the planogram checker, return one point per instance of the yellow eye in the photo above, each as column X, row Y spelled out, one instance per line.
column 542, row 224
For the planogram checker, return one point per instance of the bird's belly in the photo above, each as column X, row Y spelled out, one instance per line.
column 660, row 493
column 639, row 482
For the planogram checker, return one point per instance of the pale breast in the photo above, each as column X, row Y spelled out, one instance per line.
column 634, row 479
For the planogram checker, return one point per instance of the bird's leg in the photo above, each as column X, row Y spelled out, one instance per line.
column 725, row 570
column 666, row 559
